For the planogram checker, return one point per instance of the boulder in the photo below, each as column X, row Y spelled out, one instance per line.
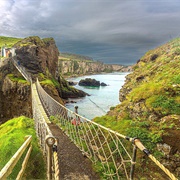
column 103, row 84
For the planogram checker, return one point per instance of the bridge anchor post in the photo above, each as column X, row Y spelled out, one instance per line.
column 50, row 140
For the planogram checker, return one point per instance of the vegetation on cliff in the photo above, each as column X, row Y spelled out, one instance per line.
column 33, row 40
column 12, row 135
column 59, row 87
column 15, row 96
column 150, row 105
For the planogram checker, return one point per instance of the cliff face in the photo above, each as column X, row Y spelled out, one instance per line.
column 15, row 96
column 40, row 58
column 75, row 67
column 38, row 55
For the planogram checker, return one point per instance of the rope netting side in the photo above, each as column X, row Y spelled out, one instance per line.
column 105, row 147
column 44, row 134
column 42, row 129
column 46, row 139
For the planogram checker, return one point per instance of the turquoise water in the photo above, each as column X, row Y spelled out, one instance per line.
column 101, row 98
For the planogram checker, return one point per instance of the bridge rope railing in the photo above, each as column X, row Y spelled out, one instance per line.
column 102, row 145
column 8, row 168
column 47, row 141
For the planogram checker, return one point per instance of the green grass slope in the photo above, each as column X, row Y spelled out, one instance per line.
column 150, row 106
column 156, row 80
column 69, row 56
column 8, row 41
column 12, row 135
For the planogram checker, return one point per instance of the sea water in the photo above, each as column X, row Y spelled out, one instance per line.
column 101, row 98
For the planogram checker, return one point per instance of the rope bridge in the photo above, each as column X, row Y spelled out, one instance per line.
column 102, row 145
column 105, row 147
column 47, row 141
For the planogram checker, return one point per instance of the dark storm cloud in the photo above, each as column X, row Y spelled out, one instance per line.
column 114, row 31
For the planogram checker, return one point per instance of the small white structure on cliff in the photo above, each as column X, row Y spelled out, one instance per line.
column 7, row 52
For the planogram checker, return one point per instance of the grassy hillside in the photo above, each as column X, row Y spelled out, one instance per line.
column 8, row 41
column 69, row 56
column 150, row 104
column 12, row 135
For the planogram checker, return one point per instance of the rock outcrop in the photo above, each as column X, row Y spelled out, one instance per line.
column 40, row 58
column 91, row 82
column 15, row 93
column 38, row 55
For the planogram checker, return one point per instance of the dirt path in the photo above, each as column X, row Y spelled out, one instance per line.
column 73, row 165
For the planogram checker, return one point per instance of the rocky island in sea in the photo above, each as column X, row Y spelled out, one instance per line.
column 91, row 82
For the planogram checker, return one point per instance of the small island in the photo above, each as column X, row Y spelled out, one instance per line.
column 91, row 82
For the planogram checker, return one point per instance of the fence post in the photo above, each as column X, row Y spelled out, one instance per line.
column 133, row 162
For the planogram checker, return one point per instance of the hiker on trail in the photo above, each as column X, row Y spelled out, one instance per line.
column 76, row 121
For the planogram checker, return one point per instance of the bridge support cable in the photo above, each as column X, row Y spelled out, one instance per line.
column 7, row 170
column 102, row 145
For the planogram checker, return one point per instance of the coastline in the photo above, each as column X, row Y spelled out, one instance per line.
column 97, row 104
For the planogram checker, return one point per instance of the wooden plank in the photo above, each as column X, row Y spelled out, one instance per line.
column 24, row 164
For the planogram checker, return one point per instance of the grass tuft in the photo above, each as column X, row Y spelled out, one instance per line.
column 12, row 135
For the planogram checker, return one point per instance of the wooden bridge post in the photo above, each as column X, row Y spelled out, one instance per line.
column 133, row 162
column 49, row 144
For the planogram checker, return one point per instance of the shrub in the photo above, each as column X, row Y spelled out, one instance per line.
column 166, row 105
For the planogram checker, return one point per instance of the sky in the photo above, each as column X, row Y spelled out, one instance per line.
column 111, row 31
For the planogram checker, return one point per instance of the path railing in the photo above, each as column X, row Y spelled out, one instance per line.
column 8, row 168
column 108, row 149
